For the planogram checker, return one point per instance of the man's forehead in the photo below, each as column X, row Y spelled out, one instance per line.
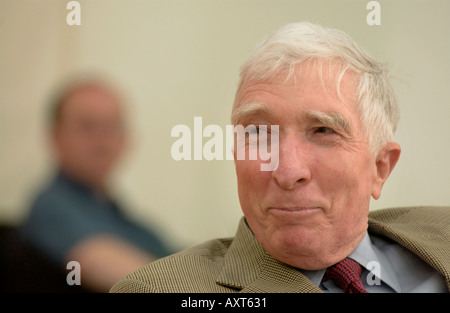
column 91, row 98
column 93, row 92
column 307, row 79
column 297, row 96
column 315, row 67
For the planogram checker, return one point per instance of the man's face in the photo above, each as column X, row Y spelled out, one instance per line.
column 311, row 211
column 89, row 136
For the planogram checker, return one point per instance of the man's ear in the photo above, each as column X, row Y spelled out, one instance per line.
column 386, row 160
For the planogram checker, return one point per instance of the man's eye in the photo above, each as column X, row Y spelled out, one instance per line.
column 325, row 130
column 260, row 129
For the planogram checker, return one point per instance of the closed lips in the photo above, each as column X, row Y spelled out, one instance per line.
column 294, row 209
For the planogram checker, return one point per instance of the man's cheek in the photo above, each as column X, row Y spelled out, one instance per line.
column 250, row 167
column 250, row 177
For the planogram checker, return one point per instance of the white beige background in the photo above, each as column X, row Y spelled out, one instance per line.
column 180, row 59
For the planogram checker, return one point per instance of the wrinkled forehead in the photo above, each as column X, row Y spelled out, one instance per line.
column 310, row 79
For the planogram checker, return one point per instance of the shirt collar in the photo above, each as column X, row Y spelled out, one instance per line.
column 364, row 253
column 62, row 178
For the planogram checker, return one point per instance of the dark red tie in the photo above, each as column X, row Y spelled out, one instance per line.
column 346, row 275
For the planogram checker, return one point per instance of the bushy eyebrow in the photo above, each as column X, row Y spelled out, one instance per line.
column 246, row 110
column 333, row 119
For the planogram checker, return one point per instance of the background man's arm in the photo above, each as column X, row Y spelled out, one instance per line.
column 105, row 259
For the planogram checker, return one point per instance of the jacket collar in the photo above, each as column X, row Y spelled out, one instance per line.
column 249, row 268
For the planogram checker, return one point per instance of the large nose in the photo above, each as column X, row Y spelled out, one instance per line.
column 293, row 168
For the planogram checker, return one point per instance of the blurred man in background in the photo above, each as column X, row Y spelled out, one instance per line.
column 74, row 217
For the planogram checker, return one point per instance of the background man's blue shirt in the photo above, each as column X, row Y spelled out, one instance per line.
column 66, row 212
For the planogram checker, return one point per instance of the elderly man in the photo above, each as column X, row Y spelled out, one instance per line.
column 306, row 225
column 75, row 218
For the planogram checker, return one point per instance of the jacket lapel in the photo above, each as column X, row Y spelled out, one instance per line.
column 248, row 268
column 279, row 277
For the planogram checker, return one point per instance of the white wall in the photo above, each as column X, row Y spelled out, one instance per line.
column 180, row 59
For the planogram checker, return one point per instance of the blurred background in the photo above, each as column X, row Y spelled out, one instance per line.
column 174, row 60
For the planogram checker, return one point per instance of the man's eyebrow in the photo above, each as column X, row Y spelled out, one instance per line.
column 333, row 119
column 246, row 110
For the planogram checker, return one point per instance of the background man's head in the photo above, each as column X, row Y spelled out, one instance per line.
column 337, row 115
column 88, row 131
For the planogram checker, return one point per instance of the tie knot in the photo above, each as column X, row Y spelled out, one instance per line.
column 346, row 275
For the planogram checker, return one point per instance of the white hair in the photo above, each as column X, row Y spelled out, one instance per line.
column 299, row 42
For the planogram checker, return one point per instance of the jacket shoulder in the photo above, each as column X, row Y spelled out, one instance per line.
column 424, row 230
column 194, row 269
column 411, row 216
column 428, row 224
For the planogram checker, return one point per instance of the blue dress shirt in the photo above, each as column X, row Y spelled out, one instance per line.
column 387, row 268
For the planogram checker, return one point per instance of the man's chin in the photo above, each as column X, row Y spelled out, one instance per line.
column 309, row 248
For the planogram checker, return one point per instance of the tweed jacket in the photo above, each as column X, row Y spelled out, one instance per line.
column 240, row 264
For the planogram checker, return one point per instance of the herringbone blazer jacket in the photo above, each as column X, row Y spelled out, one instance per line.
column 240, row 264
